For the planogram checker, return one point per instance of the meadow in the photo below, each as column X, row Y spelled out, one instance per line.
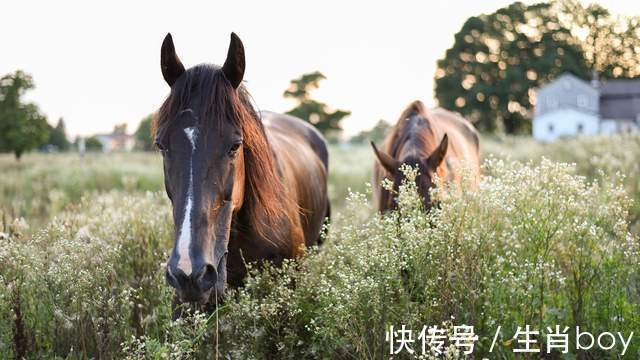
column 550, row 238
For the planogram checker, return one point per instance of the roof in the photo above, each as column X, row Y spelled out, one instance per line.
column 626, row 87
column 567, row 91
column 556, row 83
column 620, row 99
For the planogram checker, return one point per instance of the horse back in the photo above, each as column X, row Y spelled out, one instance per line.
column 302, row 157
column 464, row 142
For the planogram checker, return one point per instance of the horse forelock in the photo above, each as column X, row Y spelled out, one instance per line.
column 264, row 195
column 413, row 134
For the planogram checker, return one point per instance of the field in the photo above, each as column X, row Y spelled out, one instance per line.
column 550, row 238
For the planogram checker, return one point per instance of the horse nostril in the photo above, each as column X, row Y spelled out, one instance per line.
column 207, row 277
column 171, row 279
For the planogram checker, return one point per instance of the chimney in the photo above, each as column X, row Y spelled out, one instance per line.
column 595, row 82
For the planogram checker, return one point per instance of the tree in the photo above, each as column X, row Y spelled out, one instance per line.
column 611, row 44
column 93, row 144
column 58, row 136
column 375, row 134
column 314, row 112
column 22, row 126
column 143, row 134
column 497, row 59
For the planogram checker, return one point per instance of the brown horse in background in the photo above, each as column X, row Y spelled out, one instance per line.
column 437, row 141
column 244, row 186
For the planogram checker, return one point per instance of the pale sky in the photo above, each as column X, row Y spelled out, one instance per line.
column 98, row 63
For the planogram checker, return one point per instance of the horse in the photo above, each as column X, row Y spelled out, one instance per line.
column 437, row 141
column 245, row 186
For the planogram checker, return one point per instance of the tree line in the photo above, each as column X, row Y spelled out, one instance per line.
column 488, row 75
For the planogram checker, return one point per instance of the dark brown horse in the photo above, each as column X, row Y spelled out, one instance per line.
column 437, row 141
column 244, row 186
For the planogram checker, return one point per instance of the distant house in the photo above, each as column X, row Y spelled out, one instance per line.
column 570, row 106
column 118, row 140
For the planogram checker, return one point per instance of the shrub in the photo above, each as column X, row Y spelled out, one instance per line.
column 534, row 245
column 539, row 243
column 597, row 157
column 88, row 280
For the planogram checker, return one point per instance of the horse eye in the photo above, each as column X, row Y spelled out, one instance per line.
column 234, row 148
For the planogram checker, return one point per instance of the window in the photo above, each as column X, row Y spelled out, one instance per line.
column 552, row 102
column 583, row 101
column 550, row 127
column 580, row 128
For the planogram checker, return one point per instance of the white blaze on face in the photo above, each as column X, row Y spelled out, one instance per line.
column 184, row 238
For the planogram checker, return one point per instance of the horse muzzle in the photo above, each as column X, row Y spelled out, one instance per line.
column 194, row 287
column 198, row 286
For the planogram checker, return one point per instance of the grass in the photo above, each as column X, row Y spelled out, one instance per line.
column 541, row 243
column 42, row 185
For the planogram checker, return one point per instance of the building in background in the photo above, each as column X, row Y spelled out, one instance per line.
column 570, row 106
column 118, row 140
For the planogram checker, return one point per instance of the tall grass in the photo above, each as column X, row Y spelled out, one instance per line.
column 606, row 158
column 88, row 280
column 41, row 185
column 535, row 245
column 539, row 243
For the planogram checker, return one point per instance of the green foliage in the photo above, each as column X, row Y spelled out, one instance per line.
column 93, row 144
column 41, row 186
column 611, row 44
column 87, row 281
column 144, row 141
column 22, row 126
column 350, row 169
column 312, row 111
column 497, row 60
column 533, row 245
column 58, row 136
column 375, row 134
column 539, row 243
column 595, row 157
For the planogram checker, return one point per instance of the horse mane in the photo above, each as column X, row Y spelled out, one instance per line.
column 423, row 142
column 264, row 191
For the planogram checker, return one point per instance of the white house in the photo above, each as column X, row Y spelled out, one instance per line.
column 118, row 140
column 569, row 106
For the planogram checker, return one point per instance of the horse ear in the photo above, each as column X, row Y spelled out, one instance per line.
column 388, row 163
column 435, row 159
column 171, row 66
column 233, row 67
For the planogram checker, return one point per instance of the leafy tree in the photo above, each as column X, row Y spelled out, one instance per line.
column 376, row 134
column 611, row 44
column 498, row 59
column 143, row 134
column 315, row 112
column 93, row 144
column 58, row 136
column 22, row 126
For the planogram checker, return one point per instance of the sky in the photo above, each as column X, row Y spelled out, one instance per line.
column 97, row 64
